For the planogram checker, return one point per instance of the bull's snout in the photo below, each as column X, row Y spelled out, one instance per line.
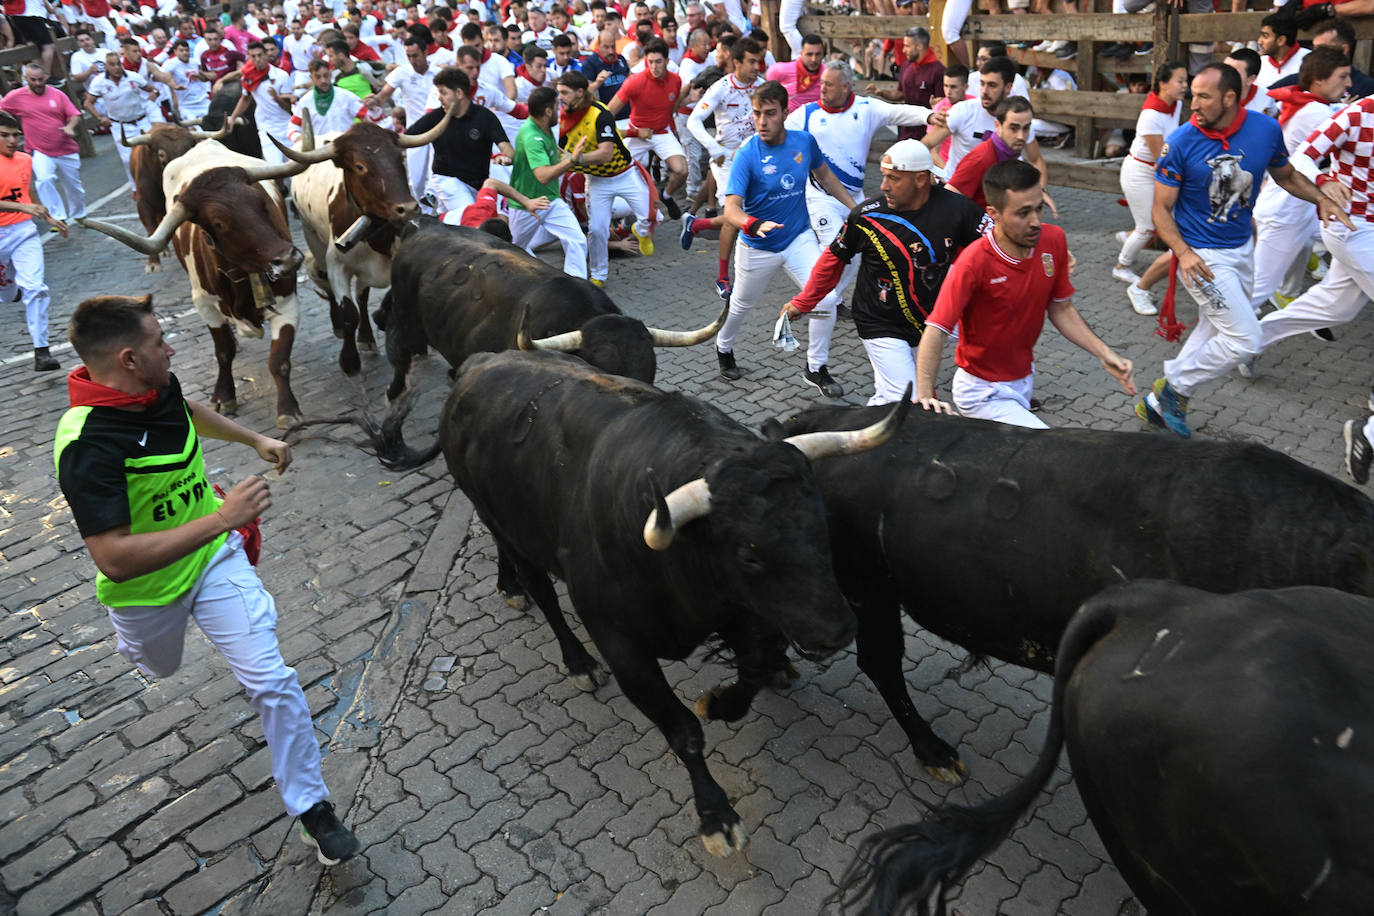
column 285, row 264
column 404, row 212
column 826, row 633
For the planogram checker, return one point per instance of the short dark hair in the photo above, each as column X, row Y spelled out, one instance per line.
column 1165, row 73
column 469, row 31
column 1011, row 175
column 1011, row 104
column 1282, row 25
column 126, row 42
column 813, row 39
column 656, row 46
column 541, row 100
column 772, row 91
column 338, row 46
column 316, row 65
column 259, row 45
column 1226, row 74
column 467, row 51
column 1320, row 64
column 574, row 79
column 351, row 28
column 744, row 46
column 562, row 41
column 918, row 34
column 102, row 326
column 455, row 79
column 9, row 120
column 532, row 53
column 1002, row 66
column 995, row 48
column 1249, row 57
column 1343, row 29
column 179, row 43
column 959, row 72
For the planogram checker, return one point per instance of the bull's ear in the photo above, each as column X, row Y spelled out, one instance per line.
column 772, row 430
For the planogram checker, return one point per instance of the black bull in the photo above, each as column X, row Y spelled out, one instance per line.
column 1217, row 743
column 555, row 458
column 991, row 535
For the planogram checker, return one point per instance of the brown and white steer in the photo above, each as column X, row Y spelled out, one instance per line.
column 355, row 175
column 227, row 222
column 151, row 153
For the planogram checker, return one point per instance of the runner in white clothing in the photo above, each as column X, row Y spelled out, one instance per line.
column 415, row 81
column 843, row 125
column 124, row 96
column 193, row 90
column 270, row 90
column 730, row 100
column 329, row 108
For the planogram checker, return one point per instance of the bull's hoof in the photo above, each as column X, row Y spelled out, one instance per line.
column 228, row 408
column 285, row 420
column 152, row 267
column 784, row 677
column 587, row 681
column 367, row 346
column 954, row 774
column 516, row 600
column 724, row 703
column 706, row 702
column 724, row 840
column 338, row 332
column 350, row 363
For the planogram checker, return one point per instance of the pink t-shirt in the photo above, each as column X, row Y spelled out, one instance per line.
column 42, row 117
column 944, row 105
column 801, row 84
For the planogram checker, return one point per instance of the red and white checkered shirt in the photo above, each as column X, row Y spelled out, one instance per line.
column 1348, row 138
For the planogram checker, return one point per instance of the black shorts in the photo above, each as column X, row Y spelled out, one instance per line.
column 34, row 30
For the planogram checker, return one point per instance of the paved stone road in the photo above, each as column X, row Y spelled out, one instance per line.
column 478, row 778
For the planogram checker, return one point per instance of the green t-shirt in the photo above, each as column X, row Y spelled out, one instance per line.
column 534, row 148
column 355, row 83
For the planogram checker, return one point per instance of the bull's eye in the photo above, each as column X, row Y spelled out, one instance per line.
column 359, row 167
column 750, row 560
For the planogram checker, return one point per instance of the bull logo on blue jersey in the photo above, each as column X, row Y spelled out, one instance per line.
column 787, row 182
column 1229, row 188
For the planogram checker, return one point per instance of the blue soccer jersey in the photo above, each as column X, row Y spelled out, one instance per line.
column 1218, row 179
column 772, row 181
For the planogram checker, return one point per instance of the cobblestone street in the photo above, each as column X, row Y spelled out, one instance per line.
column 479, row 779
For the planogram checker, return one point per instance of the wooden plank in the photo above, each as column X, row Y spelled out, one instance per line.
column 1100, row 175
column 1084, row 131
column 1107, row 105
column 937, row 38
column 1075, row 27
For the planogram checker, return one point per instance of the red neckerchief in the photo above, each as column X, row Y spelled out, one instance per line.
column 1155, row 103
column 1249, row 95
column 1278, row 64
column 927, row 58
column 1223, row 135
column 1292, row 100
column 521, row 71
column 692, row 55
column 83, row 392
column 251, row 77
column 486, row 55
column 608, row 60
column 806, row 77
column 567, row 120
column 845, row 107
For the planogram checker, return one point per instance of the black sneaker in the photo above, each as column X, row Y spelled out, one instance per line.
column 843, row 312
column 1324, row 334
column 333, row 841
column 728, row 370
column 43, row 361
column 674, row 211
column 1358, row 452
column 824, row 383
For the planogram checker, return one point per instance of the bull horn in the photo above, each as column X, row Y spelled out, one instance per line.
column 139, row 140
column 411, row 141
column 191, row 122
column 567, row 342
column 267, row 172
column 304, row 156
column 826, row 444
column 690, row 501
column 198, row 134
column 664, row 338
column 152, row 244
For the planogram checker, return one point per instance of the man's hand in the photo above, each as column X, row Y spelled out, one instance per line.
column 501, row 159
column 791, row 311
column 765, row 227
column 1049, row 201
column 645, row 133
column 275, row 451
column 1193, row 268
column 1120, row 369
column 69, row 130
column 938, row 118
column 1334, row 190
column 1328, row 209
column 248, row 500
column 1073, row 262
column 934, row 405
column 536, row 204
column 601, row 78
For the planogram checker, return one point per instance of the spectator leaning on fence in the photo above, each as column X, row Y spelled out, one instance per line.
column 29, row 21
column 1338, row 34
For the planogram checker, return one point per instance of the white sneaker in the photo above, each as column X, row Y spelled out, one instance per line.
column 1057, row 46
column 1043, row 46
column 1125, row 275
column 1122, row 236
column 1141, row 300
column 1247, row 368
column 1316, row 267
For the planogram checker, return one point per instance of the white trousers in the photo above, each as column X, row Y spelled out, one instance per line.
column 721, row 172
column 1227, row 332
column 601, row 194
column 20, row 247
column 827, row 221
column 57, row 180
column 270, row 154
column 788, row 15
column 239, row 617
column 1004, row 402
column 952, row 22
column 664, row 146
column 696, row 157
column 454, row 197
column 754, row 270
column 417, row 169
column 557, row 223
column 1339, row 297
column 192, row 110
column 1138, row 187
column 894, row 367
column 132, row 130
column 1279, row 243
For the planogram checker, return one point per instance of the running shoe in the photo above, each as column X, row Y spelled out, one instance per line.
column 686, row 236
column 1125, row 275
column 1141, row 300
column 321, row 829
column 646, row 243
column 1358, row 452
column 723, row 288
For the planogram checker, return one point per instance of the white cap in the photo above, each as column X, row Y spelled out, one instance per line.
column 908, row 156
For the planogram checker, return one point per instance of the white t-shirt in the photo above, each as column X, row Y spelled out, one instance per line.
column 81, row 61
column 969, row 124
column 1276, row 204
column 544, row 39
column 270, row 116
column 1153, row 123
column 1269, row 74
column 494, row 70
column 192, row 92
column 1019, row 86
column 845, row 136
column 414, row 88
column 124, row 100
column 299, row 49
column 338, row 118
column 730, row 102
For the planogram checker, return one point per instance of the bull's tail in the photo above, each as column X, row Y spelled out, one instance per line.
column 383, row 439
column 900, row 869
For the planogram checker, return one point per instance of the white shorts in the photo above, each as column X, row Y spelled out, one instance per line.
column 722, row 176
column 665, row 146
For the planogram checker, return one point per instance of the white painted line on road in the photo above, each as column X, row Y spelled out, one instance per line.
column 65, row 347
column 49, row 236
